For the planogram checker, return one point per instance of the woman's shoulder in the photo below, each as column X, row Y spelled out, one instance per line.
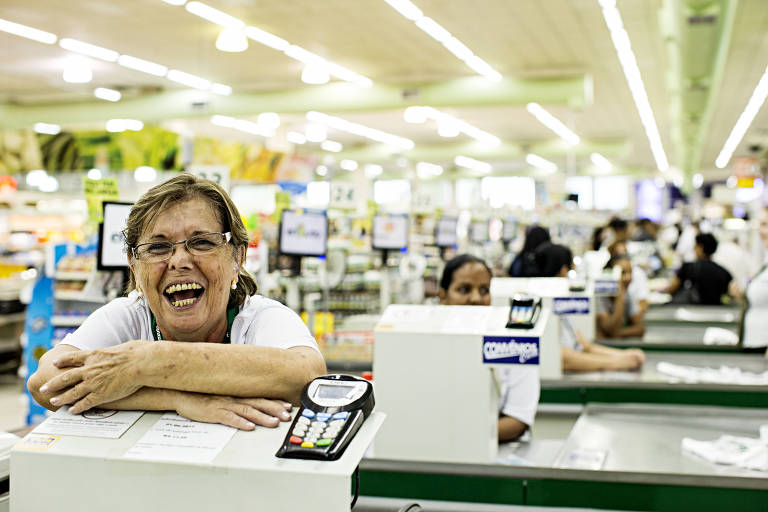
column 256, row 305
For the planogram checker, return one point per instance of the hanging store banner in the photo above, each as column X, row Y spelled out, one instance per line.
column 97, row 191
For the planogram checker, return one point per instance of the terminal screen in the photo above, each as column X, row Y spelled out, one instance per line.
column 303, row 233
column 333, row 392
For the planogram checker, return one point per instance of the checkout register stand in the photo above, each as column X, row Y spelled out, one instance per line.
column 70, row 473
column 617, row 456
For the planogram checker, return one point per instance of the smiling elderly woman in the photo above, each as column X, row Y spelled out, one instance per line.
column 191, row 336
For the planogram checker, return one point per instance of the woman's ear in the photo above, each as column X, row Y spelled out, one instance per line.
column 441, row 295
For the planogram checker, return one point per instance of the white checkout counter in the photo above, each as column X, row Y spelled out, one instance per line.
column 71, row 473
column 432, row 368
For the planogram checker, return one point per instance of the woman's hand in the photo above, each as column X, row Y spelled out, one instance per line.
column 97, row 376
column 241, row 413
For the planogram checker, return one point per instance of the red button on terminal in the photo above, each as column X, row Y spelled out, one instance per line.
column 295, row 440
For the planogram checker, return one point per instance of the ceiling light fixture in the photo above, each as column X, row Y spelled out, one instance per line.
column 343, row 125
column 372, row 170
column 145, row 174
column 20, row 30
column 426, row 170
column 601, row 162
column 441, row 35
column 267, row 39
column 315, row 132
column 49, row 184
column 628, row 62
column 188, row 79
column 243, row 125
column 471, row 163
column 232, row 40
column 142, row 65
column 321, row 170
column 36, row 177
column 348, row 165
column 540, row 163
column 77, row 71
column 88, row 49
column 94, row 174
column 296, row 138
column 315, row 74
column 552, row 123
column 175, row 2
column 120, row 125
column 744, row 121
column 225, row 121
column 48, row 129
column 269, row 120
column 107, row 94
column 214, row 15
column 332, row 146
column 447, row 124
column 223, row 90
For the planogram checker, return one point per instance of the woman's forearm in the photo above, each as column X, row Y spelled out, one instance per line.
column 147, row 399
column 234, row 370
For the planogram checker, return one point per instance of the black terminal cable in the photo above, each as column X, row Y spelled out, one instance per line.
column 357, row 487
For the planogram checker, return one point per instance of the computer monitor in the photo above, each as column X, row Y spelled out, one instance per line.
column 478, row 231
column 390, row 232
column 111, row 255
column 509, row 230
column 446, row 234
column 303, row 233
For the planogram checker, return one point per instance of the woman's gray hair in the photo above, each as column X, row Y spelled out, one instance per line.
column 182, row 188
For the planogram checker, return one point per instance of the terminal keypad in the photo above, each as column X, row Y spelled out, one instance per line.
column 317, row 430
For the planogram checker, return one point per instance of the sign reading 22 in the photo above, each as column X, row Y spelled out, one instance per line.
column 213, row 176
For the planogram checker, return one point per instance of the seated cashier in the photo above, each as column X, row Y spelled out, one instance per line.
column 620, row 316
column 578, row 352
column 191, row 336
column 466, row 281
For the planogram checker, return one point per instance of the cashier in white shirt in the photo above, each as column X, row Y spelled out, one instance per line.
column 466, row 281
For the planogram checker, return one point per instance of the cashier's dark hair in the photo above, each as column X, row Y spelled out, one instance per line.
column 455, row 264
column 184, row 187
column 550, row 258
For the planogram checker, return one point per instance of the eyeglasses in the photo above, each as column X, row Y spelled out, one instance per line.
column 198, row 245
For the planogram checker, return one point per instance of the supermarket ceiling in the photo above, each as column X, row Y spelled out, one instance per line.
column 700, row 61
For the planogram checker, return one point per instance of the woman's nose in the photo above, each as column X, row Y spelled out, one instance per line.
column 179, row 256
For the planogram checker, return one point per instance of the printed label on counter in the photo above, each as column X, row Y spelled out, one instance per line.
column 510, row 350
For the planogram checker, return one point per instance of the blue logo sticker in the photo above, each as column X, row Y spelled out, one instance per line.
column 510, row 350
column 571, row 305
column 608, row 286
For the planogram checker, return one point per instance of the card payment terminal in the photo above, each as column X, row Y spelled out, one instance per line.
column 333, row 407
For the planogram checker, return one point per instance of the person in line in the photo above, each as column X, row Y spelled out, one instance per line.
column 702, row 281
column 754, row 327
column 579, row 353
column 466, row 281
column 637, row 290
column 191, row 336
column 621, row 316
column 524, row 263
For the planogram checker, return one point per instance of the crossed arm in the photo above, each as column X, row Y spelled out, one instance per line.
column 237, row 385
column 611, row 325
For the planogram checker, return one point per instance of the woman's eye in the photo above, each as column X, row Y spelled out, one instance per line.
column 484, row 290
column 158, row 248
column 463, row 289
column 201, row 244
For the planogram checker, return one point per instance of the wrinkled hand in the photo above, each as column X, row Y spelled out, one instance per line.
column 241, row 413
column 631, row 359
column 95, row 377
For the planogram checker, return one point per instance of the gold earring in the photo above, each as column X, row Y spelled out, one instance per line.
column 234, row 284
column 138, row 290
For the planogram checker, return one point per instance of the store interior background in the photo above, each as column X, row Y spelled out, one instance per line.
column 699, row 62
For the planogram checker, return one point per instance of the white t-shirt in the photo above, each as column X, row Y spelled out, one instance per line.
column 755, row 332
column 568, row 337
column 520, row 389
column 261, row 322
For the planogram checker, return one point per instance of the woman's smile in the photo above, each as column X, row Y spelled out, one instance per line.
column 184, row 295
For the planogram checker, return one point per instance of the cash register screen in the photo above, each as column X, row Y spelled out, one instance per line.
column 333, row 392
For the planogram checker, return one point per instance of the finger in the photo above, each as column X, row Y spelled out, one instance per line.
column 274, row 408
column 88, row 402
column 73, row 358
column 62, row 381
column 70, row 396
column 229, row 418
column 254, row 415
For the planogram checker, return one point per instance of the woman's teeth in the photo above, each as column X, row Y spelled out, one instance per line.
column 180, row 303
column 182, row 286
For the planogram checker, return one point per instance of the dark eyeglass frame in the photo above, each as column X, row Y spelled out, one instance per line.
column 226, row 238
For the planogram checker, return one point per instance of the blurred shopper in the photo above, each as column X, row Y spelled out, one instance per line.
column 638, row 286
column 621, row 316
column 754, row 331
column 702, row 281
column 579, row 353
column 524, row 263
column 647, row 231
column 619, row 229
column 466, row 281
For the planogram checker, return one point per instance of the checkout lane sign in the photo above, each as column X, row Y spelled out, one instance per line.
column 571, row 305
column 510, row 350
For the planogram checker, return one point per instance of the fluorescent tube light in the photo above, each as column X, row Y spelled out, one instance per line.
column 120, row 125
column 433, row 29
column 343, row 125
column 88, row 49
column 188, row 79
column 406, row 8
column 315, row 132
column 540, row 163
column 315, row 74
column 232, row 40
column 77, row 70
column 142, row 65
column 145, row 174
column 601, row 162
column 628, row 62
column 214, row 15
column 48, row 129
column 269, row 120
column 225, row 121
column 471, row 163
column 742, row 123
column 483, row 68
column 221, row 89
column 107, row 94
column 447, row 124
column 427, row 170
column 348, row 165
column 20, row 30
column 296, row 138
column 175, row 2
column 321, row 170
column 302, row 55
column 267, row 39
column 552, row 123
column 372, row 170
column 94, row 174
column 332, row 146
